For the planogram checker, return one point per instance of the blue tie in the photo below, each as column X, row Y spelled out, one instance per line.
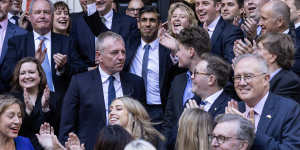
column 145, row 63
column 46, row 65
column 111, row 90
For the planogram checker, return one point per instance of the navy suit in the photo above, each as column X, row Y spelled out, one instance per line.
column 296, row 66
column 286, row 83
column 85, row 41
column 12, row 30
column 279, row 124
column 223, row 38
column 84, row 108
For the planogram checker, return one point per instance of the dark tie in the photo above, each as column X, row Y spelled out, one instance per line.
column 145, row 63
column 46, row 65
column 111, row 90
column 292, row 31
column 16, row 18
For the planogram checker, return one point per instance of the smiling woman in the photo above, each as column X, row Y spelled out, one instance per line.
column 10, row 122
column 61, row 18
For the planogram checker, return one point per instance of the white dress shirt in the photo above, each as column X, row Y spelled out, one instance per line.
column 105, row 83
column 47, row 43
column 258, row 109
column 3, row 29
column 108, row 19
column 212, row 26
column 211, row 99
column 152, row 89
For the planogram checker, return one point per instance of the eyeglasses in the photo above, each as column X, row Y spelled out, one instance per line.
column 133, row 9
column 197, row 72
column 220, row 139
column 246, row 77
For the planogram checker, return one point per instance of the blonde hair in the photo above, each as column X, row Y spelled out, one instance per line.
column 194, row 127
column 193, row 22
column 139, row 122
column 8, row 100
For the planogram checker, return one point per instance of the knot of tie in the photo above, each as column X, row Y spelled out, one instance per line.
column 111, row 78
column 147, row 47
column 42, row 38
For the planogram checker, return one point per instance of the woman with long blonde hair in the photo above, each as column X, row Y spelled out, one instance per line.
column 194, row 127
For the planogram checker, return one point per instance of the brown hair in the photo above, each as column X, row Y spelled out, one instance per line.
column 8, row 100
column 15, row 81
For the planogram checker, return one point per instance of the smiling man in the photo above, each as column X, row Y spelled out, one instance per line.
column 276, row 118
column 231, row 10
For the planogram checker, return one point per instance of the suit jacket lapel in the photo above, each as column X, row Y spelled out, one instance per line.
column 114, row 25
column 266, row 116
column 30, row 47
column 162, row 52
column 96, row 79
column 217, row 32
column 274, row 80
column 126, row 87
column 181, row 88
column 54, row 49
column 218, row 104
column 10, row 31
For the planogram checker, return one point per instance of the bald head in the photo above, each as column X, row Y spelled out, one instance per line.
column 279, row 9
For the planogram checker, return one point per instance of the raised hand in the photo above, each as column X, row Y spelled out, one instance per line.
column 240, row 47
column 73, row 143
column 28, row 102
column 60, row 60
column 250, row 28
column 192, row 104
column 40, row 54
column 23, row 22
column 45, row 99
column 167, row 40
column 48, row 139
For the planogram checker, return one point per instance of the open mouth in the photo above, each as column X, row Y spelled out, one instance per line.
column 15, row 129
column 63, row 22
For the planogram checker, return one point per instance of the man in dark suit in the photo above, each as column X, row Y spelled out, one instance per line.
column 278, row 50
column 276, row 119
column 104, row 19
column 7, row 30
column 221, row 33
column 209, row 78
column 193, row 42
column 90, row 93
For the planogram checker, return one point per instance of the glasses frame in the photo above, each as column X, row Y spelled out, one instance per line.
column 247, row 78
column 220, row 139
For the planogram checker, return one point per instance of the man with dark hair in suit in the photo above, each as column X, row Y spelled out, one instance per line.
column 278, row 50
column 193, row 42
column 221, row 33
column 104, row 19
column 86, row 104
column 276, row 118
column 15, row 11
column 7, row 30
column 231, row 11
column 209, row 78
column 151, row 61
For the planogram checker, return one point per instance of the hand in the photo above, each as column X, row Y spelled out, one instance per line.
column 45, row 99
column 28, row 102
column 192, row 104
column 250, row 28
column 40, row 54
column 240, row 47
column 205, row 27
column 73, row 143
column 232, row 108
column 60, row 60
column 168, row 41
column 48, row 139
column 23, row 21
column 236, row 20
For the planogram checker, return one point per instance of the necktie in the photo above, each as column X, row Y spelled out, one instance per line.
column 46, row 65
column 16, row 18
column 111, row 90
column 145, row 63
column 103, row 20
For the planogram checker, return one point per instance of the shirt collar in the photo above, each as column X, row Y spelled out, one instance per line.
column 213, row 25
column 108, row 16
column 286, row 31
column 37, row 35
column 258, row 108
column 105, row 76
column 154, row 44
column 274, row 73
column 4, row 23
column 212, row 98
column 297, row 25
column 9, row 15
column 188, row 75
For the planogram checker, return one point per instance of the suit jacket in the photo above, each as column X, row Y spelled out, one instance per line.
column 166, row 68
column 12, row 30
column 223, row 38
column 279, row 124
column 85, row 41
column 23, row 46
column 286, row 83
column 296, row 66
column 83, row 110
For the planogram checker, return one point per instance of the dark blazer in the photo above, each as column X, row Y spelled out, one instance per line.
column 286, row 83
column 166, row 68
column 279, row 124
column 83, row 110
column 12, row 30
column 85, row 41
column 223, row 38
column 296, row 66
column 23, row 46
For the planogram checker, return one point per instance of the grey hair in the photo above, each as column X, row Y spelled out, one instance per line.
column 101, row 38
column 139, row 145
column 48, row 1
column 263, row 66
column 245, row 130
column 281, row 9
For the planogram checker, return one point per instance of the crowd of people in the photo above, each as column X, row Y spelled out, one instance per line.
column 218, row 74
